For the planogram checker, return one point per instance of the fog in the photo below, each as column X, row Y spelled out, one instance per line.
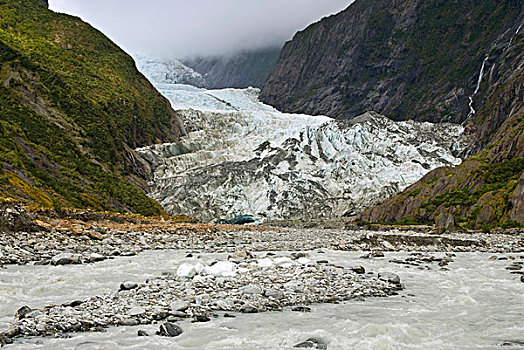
column 185, row 28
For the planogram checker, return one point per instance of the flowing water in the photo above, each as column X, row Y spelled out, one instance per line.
column 476, row 304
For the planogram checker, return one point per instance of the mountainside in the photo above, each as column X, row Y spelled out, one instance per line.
column 72, row 108
column 487, row 190
column 243, row 157
column 459, row 61
column 409, row 59
column 242, row 70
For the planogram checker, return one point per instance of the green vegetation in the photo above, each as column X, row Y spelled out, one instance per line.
column 498, row 181
column 70, row 100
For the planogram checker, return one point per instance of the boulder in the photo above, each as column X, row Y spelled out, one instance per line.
column 169, row 330
column 313, row 343
column 65, row 259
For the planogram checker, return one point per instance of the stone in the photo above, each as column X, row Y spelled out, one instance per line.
column 313, row 343
column 301, row 309
column 251, row 290
column 186, row 271
column 201, row 318
column 142, row 333
column 225, row 305
column 136, row 311
column 249, row 310
column 128, row 285
column 170, row 330
column 445, row 223
column 179, row 305
column 522, row 278
column 95, row 257
column 389, row 277
column 129, row 322
column 358, row 269
column 22, row 312
column 65, row 259
column 275, row 294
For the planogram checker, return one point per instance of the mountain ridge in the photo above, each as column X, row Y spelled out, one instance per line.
column 73, row 107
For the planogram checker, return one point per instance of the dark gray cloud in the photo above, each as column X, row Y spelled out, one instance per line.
column 180, row 28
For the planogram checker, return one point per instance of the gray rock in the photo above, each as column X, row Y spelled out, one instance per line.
column 359, row 270
column 313, row 343
column 95, row 257
column 389, row 277
column 201, row 318
column 129, row 322
column 251, row 290
column 275, row 294
column 301, row 309
column 142, row 333
column 136, row 311
column 128, row 285
column 179, row 305
column 170, row 330
column 22, row 312
column 65, row 259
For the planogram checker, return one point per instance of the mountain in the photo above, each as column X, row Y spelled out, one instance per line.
column 243, row 157
column 73, row 106
column 440, row 61
column 241, row 70
column 487, row 190
column 408, row 59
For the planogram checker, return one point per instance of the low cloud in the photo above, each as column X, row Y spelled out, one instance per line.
column 182, row 28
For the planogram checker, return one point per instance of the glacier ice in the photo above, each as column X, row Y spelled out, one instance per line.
column 243, row 157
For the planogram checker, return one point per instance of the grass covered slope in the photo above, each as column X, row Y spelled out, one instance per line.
column 72, row 108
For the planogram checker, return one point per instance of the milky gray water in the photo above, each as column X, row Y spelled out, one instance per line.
column 477, row 304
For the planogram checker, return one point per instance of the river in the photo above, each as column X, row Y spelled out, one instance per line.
column 475, row 304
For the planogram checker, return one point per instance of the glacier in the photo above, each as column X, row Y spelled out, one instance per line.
column 244, row 157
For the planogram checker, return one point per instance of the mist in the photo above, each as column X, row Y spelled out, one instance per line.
column 182, row 28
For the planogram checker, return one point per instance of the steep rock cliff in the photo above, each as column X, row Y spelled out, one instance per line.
column 487, row 189
column 408, row 59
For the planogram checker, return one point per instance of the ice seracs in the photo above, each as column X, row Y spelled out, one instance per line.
column 244, row 157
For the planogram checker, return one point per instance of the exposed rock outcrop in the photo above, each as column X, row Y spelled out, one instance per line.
column 408, row 59
column 486, row 190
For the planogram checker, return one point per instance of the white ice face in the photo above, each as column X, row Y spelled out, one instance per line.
column 244, row 157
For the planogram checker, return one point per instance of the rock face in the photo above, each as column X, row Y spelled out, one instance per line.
column 244, row 157
column 241, row 70
column 409, row 59
column 487, row 189
column 13, row 218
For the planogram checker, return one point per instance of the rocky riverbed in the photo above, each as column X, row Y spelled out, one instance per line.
column 254, row 268
column 90, row 243
column 242, row 282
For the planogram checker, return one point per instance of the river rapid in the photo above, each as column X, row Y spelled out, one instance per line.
column 473, row 303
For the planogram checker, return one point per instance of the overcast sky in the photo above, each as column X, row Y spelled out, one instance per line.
column 181, row 28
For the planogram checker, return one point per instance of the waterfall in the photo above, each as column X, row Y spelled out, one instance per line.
column 479, row 81
column 516, row 33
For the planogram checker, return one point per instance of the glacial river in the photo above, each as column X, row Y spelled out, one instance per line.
column 476, row 304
